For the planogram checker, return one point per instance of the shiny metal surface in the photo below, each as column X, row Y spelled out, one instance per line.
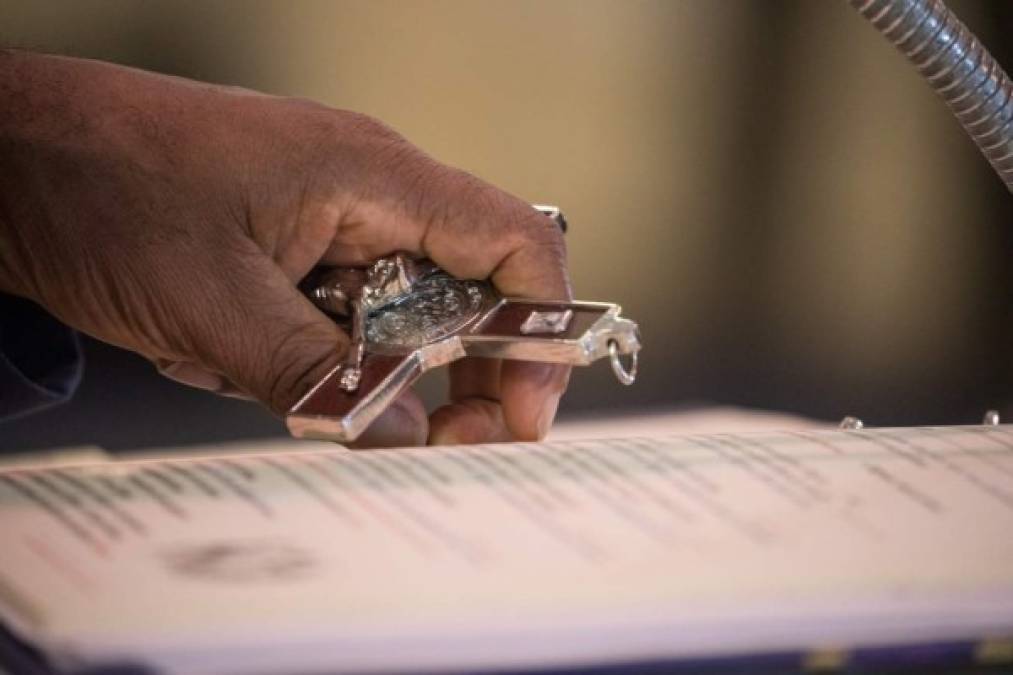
column 390, row 279
column 546, row 322
column 554, row 213
column 343, row 415
column 408, row 316
column 352, row 368
column 625, row 374
column 439, row 319
column 334, row 411
column 431, row 310
column 957, row 66
column 585, row 341
column 852, row 423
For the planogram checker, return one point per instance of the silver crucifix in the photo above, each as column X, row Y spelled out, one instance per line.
column 409, row 316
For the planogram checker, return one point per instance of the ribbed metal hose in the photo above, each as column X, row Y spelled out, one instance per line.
column 957, row 67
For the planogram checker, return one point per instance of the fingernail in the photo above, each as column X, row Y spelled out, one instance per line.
column 191, row 375
column 547, row 415
column 443, row 436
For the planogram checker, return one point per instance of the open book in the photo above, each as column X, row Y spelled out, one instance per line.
column 515, row 556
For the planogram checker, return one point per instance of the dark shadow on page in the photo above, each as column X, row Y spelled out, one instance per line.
column 124, row 404
column 19, row 658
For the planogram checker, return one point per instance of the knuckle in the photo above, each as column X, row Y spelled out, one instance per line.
column 360, row 136
column 412, row 183
column 361, row 153
column 343, row 134
column 364, row 125
column 427, row 188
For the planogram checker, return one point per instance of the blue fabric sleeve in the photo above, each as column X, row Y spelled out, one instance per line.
column 40, row 358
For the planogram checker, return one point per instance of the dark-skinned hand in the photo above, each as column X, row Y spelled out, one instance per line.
column 175, row 218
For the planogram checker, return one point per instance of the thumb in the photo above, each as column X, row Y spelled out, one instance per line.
column 271, row 343
column 254, row 328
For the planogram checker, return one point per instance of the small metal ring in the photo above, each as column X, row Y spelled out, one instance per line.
column 623, row 374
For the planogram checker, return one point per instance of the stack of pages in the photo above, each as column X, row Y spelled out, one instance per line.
column 689, row 549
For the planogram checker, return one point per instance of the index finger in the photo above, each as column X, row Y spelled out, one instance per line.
column 470, row 228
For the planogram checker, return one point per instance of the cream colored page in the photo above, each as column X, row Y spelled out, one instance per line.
column 520, row 553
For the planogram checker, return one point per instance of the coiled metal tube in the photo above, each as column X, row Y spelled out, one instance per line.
column 957, row 67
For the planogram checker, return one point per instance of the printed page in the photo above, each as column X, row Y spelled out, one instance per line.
column 514, row 555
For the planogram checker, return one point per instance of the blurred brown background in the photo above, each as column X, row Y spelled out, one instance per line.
column 766, row 186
